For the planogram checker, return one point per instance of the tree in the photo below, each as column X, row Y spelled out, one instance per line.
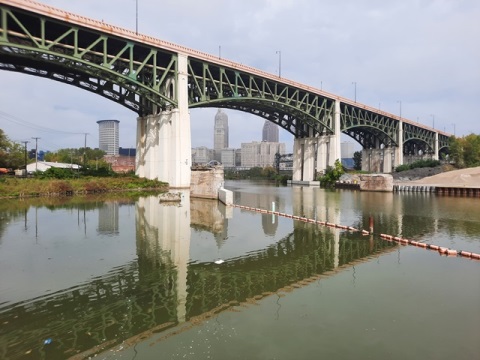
column 75, row 156
column 357, row 160
column 11, row 153
column 471, row 150
column 465, row 151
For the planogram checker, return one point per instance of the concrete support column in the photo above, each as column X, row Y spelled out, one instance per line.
column 388, row 157
column 323, row 149
column 298, row 148
column 304, row 159
column 399, row 153
column 436, row 150
column 335, row 139
column 164, row 139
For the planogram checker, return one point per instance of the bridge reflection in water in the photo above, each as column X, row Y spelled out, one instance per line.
column 163, row 287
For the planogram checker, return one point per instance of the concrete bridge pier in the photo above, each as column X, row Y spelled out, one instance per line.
column 304, row 159
column 313, row 154
column 379, row 160
column 164, row 139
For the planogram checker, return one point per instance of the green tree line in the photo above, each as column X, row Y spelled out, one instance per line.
column 465, row 151
column 12, row 155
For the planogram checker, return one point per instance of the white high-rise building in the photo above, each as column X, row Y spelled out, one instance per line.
column 261, row 154
column 201, row 155
column 220, row 134
column 108, row 135
column 228, row 157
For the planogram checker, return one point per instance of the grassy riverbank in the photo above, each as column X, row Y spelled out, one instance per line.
column 31, row 187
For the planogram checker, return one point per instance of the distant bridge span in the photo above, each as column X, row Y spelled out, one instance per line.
column 160, row 80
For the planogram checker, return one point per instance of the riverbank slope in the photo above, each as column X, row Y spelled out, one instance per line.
column 469, row 177
column 12, row 187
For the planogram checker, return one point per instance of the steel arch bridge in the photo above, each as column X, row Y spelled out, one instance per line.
column 142, row 73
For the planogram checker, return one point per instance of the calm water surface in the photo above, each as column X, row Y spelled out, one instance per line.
column 136, row 279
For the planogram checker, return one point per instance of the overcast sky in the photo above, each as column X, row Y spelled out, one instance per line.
column 422, row 53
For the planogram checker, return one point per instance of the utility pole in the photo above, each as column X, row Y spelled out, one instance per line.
column 85, row 151
column 25, row 143
column 36, row 152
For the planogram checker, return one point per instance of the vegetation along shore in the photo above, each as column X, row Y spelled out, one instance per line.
column 14, row 187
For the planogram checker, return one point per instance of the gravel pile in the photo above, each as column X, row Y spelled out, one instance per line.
column 464, row 177
column 443, row 175
column 419, row 173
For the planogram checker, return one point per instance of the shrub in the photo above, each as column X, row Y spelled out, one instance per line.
column 60, row 187
column 332, row 174
column 56, row 173
column 418, row 164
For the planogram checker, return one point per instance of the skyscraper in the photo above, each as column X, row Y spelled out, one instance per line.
column 108, row 135
column 220, row 133
column 270, row 132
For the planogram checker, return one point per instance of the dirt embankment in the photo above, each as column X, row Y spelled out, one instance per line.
column 440, row 176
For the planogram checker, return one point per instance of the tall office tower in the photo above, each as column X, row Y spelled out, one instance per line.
column 108, row 136
column 220, row 134
column 270, row 132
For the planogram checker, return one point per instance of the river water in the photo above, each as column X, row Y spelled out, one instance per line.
column 131, row 278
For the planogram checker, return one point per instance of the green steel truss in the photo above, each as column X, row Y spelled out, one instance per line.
column 142, row 78
column 369, row 128
column 299, row 112
column 134, row 75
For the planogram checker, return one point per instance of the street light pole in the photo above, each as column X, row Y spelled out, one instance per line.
column 433, row 120
column 355, row 93
column 136, row 17
column 36, row 152
column 279, row 52
column 25, row 143
column 400, row 102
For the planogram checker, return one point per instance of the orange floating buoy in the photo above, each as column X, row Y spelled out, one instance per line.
column 414, row 243
column 442, row 250
column 433, row 247
column 466, row 253
column 451, row 252
column 475, row 256
column 422, row 245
